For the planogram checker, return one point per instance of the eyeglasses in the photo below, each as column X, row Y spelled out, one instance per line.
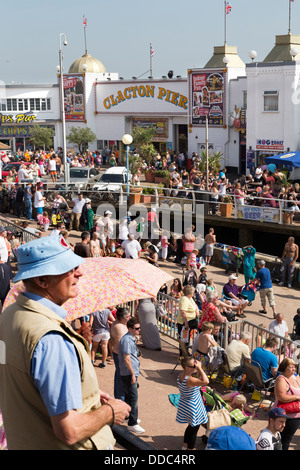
column 137, row 328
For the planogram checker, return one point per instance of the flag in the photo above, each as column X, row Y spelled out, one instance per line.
column 84, row 22
column 292, row 0
column 151, row 51
column 228, row 8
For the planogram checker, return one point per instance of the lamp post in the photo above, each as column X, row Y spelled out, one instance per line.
column 63, row 117
column 127, row 140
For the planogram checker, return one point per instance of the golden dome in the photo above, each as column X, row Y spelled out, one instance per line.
column 92, row 65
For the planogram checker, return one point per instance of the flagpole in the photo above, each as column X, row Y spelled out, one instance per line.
column 84, row 30
column 290, row 14
column 225, row 24
column 151, row 60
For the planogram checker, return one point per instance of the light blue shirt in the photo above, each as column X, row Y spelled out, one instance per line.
column 55, row 367
column 127, row 345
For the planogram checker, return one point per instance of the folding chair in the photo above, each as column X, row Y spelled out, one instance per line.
column 254, row 375
column 224, row 367
column 185, row 352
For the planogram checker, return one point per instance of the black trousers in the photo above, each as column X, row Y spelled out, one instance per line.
column 190, row 436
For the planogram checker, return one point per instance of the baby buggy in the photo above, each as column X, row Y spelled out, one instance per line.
column 275, row 273
column 61, row 215
column 248, row 291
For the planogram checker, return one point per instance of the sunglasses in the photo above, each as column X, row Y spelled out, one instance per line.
column 137, row 328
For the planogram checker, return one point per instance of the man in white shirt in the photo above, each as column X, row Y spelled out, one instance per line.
column 22, row 173
column 78, row 203
column 132, row 247
column 39, row 202
column 238, row 352
column 3, row 246
column 270, row 437
column 279, row 326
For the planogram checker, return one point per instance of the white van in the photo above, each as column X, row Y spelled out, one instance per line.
column 112, row 179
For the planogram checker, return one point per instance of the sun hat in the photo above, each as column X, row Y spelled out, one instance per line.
column 232, row 276
column 277, row 413
column 46, row 256
column 2, row 229
column 230, row 438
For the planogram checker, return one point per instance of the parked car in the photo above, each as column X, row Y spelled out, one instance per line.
column 82, row 178
column 8, row 166
column 112, row 179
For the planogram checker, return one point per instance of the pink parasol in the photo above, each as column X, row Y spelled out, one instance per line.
column 106, row 282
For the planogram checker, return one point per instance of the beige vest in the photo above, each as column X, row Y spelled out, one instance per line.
column 26, row 420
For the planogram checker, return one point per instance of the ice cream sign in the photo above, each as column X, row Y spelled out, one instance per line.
column 133, row 92
column 16, row 119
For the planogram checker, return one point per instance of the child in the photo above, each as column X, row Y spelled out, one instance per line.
column 202, row 343
column 193, row 259
column 43, row 220
column 203, row 276
column 164, row 245
column 210, row 284
column 238, row 401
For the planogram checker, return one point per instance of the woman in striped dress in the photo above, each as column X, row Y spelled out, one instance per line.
column 191, row 409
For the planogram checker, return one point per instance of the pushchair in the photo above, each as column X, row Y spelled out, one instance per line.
column 232, row 258
column 248, row 291
column 275, row 273
column 213, row 401
column 61, row 215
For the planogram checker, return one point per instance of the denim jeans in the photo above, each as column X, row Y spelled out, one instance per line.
column 28, row 208
column 131, row 398
column 118, row 384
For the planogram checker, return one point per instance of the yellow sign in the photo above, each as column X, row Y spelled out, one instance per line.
column 146, row 91
column 17, row 119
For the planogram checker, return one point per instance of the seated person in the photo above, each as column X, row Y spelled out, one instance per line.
column 231, row 292
column 266, row 358
column 238, row 352
column 296, row 321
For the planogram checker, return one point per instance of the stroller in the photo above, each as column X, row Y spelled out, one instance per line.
column 232, row 258
column 248, row 291
column 61, row 215
column 190, row 278
column 275, row 273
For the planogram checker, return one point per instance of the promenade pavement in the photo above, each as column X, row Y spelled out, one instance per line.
column 158, row 378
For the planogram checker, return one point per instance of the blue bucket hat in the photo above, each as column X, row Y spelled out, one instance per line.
column 230, row 438
column 46, row 256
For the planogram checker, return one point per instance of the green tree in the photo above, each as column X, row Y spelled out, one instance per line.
column 214, row 162
column 142, row 139
column 41, row 137
column 81, row 136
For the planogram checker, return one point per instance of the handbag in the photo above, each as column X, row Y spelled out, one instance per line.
column 218, row 417
column 291, row 407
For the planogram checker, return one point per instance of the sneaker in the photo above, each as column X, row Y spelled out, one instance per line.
column 102, row 365
column 136, row 429
column 289, row 286
column 281, row 283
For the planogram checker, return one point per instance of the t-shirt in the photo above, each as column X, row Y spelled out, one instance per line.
column 266, row 359
column 78, row 205
column 38, row 199
column 236, row 351
column 100, row 322
column 279, row 328
column 52, row 165
column 3, row 250
column 230, row 289
column 188, row 306
column 127, row 345
column 264, row 276
column 131, row 248
column 268, row 441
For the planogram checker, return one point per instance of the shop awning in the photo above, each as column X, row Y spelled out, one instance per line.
column 4, row 146
column 291, row 159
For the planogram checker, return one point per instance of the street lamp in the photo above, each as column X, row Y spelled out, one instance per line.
column 63, row 117
column 127, row 140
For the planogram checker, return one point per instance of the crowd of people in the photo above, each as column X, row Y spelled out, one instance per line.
column 113, row 332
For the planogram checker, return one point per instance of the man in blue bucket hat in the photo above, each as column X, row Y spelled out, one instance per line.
column 49, row 394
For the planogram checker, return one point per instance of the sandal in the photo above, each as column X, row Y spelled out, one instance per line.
column 262, row 311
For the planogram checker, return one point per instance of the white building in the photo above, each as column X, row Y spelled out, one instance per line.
column 252, row 110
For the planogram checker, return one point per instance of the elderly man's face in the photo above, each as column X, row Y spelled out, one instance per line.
column 61, row 288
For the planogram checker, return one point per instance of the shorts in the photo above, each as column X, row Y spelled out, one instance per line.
column 267, row 294
column 53, row 173
column 104, row 336
column 236, row 302
column 209, row 250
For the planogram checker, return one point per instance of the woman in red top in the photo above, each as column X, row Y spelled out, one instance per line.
column 210, row 311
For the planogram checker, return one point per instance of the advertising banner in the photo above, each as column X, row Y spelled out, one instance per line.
column 160, row 125
column 207, row 97
column 259, row 214
column 74, row 98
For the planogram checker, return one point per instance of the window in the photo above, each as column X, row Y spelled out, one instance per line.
column 24, row 104
column 271, row 101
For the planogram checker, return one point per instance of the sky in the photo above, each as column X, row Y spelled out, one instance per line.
column 183, row 34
